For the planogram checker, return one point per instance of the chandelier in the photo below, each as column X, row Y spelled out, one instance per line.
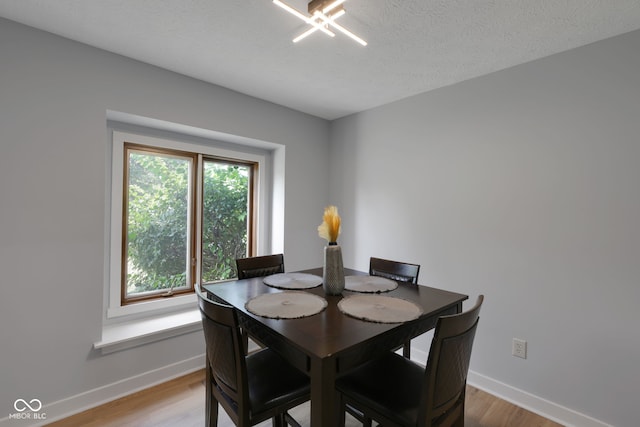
column 323, row 15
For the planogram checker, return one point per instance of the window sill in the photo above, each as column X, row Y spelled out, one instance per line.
column 176, row 302
column 133, row 333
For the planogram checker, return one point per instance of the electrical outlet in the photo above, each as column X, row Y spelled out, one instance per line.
column 519, row 348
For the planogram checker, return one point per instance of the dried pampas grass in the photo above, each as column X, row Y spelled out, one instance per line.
column 330, row 227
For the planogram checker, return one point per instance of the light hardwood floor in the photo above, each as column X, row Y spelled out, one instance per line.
column 180, row 402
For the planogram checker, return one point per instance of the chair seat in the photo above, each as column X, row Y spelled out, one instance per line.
column 273, row 382
column 392, row 379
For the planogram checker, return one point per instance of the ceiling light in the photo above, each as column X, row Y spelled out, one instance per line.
column 323, row 14
column 325, row 9
column 324, row 24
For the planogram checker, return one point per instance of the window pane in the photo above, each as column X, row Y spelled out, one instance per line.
column 158, row 226
column 225, row 218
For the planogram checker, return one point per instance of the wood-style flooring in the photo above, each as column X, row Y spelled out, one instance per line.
column 180, row 403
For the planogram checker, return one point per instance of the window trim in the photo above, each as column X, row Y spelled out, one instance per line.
column 208, row 148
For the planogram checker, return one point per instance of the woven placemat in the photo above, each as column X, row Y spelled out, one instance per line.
column 293, row 281
column 369, row 284
column 379, row 308
column 286, row 305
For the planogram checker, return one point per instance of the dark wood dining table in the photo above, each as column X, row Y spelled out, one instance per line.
column 329, row 343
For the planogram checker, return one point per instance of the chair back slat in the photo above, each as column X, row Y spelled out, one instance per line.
column 259, row 266
column 394, row 270
column 451, row 377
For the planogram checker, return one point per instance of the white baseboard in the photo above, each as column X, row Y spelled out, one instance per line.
column 550, row 410
column 101, row 395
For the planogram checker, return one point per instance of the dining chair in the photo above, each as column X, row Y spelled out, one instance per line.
column 259, row 266
column 399, row 271
column 250, row 388
column 397, row 392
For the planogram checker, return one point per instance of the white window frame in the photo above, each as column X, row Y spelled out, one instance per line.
column 224, row 149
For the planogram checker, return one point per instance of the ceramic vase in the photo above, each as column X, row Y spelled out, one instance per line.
column 333, row 270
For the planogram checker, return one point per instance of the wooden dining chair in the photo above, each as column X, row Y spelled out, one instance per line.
column 250, row 388
column 259, row 266
column 394, row 270
column 399, row 271
column 397, row 392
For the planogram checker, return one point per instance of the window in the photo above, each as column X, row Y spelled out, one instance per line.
column 159, row 206
column 181, row 213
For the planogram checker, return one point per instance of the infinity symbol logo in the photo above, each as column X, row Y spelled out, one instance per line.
column 22, row 405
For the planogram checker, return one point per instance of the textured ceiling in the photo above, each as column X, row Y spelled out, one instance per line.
column 414, row 45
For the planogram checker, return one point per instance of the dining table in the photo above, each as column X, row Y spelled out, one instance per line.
column 330, row 342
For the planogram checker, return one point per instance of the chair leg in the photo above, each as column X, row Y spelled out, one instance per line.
column 213, row 417
column 245, row 340
column 278, row 420
column 343, row 411
column 211, row 404
column 406, row 350
column 289, row 420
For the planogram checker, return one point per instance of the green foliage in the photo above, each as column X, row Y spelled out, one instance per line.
column 225, row 207
column 158, row 221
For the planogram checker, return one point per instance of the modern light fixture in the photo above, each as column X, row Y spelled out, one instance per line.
column 323, row 14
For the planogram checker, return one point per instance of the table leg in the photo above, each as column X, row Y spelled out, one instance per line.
column 324, row 401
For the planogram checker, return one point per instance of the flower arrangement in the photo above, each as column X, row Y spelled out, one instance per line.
column 332, row 268
column 330, row 227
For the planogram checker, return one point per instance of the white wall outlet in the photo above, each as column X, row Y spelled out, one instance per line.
column 519, row 348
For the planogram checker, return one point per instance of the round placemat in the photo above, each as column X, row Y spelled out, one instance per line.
column 380, row 309
column 369, row 284
column 286, row 305
column 293, row 281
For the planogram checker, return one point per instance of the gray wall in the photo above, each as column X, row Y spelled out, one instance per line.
column 523, row 185
column 54, row 95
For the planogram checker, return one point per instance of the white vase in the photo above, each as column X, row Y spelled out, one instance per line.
column 333, row 270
